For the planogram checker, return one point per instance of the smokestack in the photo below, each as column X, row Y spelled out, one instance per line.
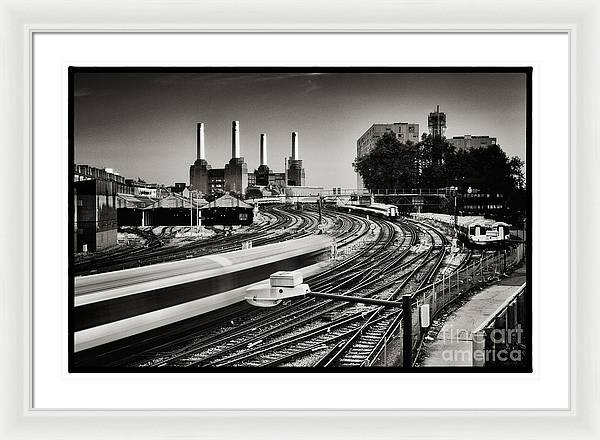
column 295, row 155
column 200, row 141
column 235, row 139
column 263, row 149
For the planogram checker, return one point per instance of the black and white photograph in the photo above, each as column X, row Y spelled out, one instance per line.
column 326, row 219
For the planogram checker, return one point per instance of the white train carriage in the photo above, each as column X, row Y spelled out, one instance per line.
column 483, row 232
column 473, row 230
column 389, row 212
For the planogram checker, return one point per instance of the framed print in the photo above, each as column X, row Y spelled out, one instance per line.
column 297, row 226
column 309, row 284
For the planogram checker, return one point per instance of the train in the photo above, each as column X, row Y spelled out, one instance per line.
column 115, row 305
column 389, row 212
column 474, row 231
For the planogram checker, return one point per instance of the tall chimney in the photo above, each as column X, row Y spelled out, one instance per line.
column 200, row 141
column 235, row 139
column 263, row 149
column 295, row 155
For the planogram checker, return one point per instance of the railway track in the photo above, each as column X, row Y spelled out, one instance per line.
column 307, row 328
column 386, row 262
column 346, row 228
column 284, row 224
column 350, row 228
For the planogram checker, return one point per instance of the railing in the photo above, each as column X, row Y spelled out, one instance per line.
column 380, row 192
column 412, row 191
column 442, row 293
column 500, row 340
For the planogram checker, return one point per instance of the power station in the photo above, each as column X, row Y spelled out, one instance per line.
column 234, row 177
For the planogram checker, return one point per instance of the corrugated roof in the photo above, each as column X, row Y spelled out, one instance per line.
column 132, row 201
column 177, row 201
column 228, row 201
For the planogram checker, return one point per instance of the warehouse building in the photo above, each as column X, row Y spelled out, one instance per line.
column 172, row 210
column 95, row 214
column 227, row 210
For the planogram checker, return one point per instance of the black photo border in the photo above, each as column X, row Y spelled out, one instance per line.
column 527, row 70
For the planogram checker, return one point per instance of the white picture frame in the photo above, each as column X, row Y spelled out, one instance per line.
column 18, row 23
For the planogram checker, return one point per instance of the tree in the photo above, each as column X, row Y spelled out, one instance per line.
column 439, row 166
column 516, row 167
column 391, row 164
column 435, row 163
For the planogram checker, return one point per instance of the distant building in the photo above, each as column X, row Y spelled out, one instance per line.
column 95, row 206
column 436, row 122
column 294, row 168
column 468, row 142
column 227, row 210
column 86, row 172
column 95, row 214
column 178, row 188
column 299, row 191
column 234, row 177
column 403, row 131
column 172, row 210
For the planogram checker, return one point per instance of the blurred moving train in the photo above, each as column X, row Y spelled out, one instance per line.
column 389, row 212
column 474, row 231
column 114, row 305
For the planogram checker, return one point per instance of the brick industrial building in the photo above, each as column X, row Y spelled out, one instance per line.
column 234, row 177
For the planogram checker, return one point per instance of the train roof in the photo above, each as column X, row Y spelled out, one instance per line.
column 480, row 221
column 370, row 207
column 382, row 205
column 464, row 221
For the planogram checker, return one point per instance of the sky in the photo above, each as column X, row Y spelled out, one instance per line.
column 144, row 124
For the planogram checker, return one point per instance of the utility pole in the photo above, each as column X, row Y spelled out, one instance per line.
column 407, row 331
column 197, row 213
column 319, row 204
column 199, row 220
column 455, row 188
column 191, row 212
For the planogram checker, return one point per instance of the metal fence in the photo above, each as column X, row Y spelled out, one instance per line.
column 412, row 191
column 440, row 294
column 501, row 339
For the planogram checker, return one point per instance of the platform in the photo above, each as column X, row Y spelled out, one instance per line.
column 452, row 345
